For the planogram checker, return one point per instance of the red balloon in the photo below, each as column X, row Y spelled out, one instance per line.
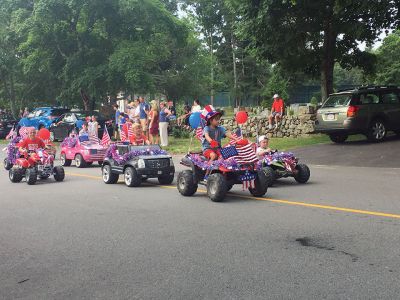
column 241, row 117
column 44, row 134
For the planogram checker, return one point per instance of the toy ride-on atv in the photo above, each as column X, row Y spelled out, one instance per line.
column 33, row 165
column 12, row 153
column 238, row 165
column 137, row 163
column 284, row 164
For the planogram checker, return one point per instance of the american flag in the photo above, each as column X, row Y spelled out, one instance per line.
column 130, row 130
column 246, row 154
column 92, row 140
column 237, row 134
column 199, row 134
column 248, row 180
column 11, row 134
column 105, row 140
column 122, row 135
column 23, row 132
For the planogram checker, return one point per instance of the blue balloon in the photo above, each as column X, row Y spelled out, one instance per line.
column 79, row 124
column 194, row 120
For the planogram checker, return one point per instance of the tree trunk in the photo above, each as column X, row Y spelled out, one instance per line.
column 235, row 80
column 328, row 59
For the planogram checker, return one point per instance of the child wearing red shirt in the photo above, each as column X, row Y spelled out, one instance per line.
column 138, row 138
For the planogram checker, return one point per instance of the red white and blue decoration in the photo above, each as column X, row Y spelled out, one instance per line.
column 209, row 112
column 248, row 180
column 122, row 159
column 105, row 140
column 228, row 152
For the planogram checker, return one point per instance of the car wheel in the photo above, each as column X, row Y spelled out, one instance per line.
column 64, row 161
column 376, row 131
column 131, row 177
column 7, row 164
column 338, row 138
column 79, row 161
column 229, row 187
column 108, row 176
column 15, row 175
column 59, row 173
column 260, row 185
column 216, row 187
column 166, row 179
column 270, row 175
column 30, row 176
column 186, row 183
column 303, row 173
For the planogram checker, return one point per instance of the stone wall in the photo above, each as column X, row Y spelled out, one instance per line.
column 290, row 126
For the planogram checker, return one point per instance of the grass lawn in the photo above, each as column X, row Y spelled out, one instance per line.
column 180, row 146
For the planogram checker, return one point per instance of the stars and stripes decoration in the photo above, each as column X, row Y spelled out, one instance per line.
column 12, row 134
column 23, row 132
column 122, row 135
column 248, row 180
column 246, row 154
column 237, row 134
column 199, row 134
column 105, row 140
column 229, row 151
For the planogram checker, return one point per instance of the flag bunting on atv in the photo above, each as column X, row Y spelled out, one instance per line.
column 247, row 180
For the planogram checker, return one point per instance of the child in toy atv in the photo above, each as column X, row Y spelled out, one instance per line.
column 137, row 163
column 280, row 164
column 12, row 153
column 220, row 168
column 34, row 162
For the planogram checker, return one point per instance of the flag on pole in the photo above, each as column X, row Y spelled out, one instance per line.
column 199, row 134
column 11, row 134
column 246, row 154
column 105, row 140
column 122, row 135
column 237, row 134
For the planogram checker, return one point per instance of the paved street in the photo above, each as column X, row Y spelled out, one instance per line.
column 336, row 237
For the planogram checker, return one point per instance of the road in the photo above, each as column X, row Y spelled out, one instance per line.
column 335, row 237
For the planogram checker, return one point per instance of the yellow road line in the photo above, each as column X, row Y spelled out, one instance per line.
column 288, row 202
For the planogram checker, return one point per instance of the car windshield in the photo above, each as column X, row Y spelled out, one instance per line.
column 337, row 100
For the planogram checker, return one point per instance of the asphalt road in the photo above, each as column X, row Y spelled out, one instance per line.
column 335, row 237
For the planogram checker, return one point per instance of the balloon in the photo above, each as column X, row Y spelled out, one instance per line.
column 194, row 120
column 241, row 117
column 79, row 124
column 44, row 134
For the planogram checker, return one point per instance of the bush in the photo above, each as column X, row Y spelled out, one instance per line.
column 180, row 133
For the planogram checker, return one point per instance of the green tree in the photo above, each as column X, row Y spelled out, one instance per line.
column 388, row 66
column 311, row 36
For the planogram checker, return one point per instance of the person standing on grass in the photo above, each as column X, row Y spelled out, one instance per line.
column 154, row 123
column 196, row 106
column 276, row 111
column 143, row 111
column 116, row 127
column 93, row 127
column 163, row 121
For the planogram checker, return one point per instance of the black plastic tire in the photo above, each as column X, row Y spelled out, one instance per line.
column 108, row 176
column 64, row 161
column 338, row 138
column 15, row 175
column 186, row 184
column 166, row 179
column 59, row 173
column 229, row 187
column 260, row 185
column 79, row 161
column 376, row 131
column 131, row 177
column 217, row 187
column 270, row 175
column 303, row 173
column 7, row 164
column 31, row 176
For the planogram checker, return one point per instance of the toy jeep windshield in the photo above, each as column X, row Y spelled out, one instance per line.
column 137, row 163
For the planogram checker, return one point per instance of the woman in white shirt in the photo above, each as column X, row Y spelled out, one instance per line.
column 196, row 106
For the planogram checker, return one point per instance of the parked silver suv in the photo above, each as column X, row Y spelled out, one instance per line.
column 369, row 110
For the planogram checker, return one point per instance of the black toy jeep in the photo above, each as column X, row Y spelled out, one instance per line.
column 137, row 163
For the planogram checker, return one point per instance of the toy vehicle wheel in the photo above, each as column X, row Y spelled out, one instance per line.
column 376, row 131
column 216, row 187
column 108, row 176
column 7, row 164
column 229, row 187
column 303, row 173
column 186, row 183
column 79, row 161
column 166, row 179
column 338, row 138
column 15, row 175
column 30, row 176
column 131, row 177
column 260, row 185
column 64, row 161
column 59, row 173
column 270, row 174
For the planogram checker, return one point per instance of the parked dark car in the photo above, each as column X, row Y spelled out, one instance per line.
column 7, row 122
column 72, row 121
column 369, row 110
column 42, row 117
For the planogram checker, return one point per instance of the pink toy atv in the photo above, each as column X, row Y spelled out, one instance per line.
column 82, row 150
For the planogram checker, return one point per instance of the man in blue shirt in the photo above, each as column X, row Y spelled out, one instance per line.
column 116, row 127
column 144, row 110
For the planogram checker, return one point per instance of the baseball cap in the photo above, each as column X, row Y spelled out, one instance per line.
column 262, row 138
column 276, row 96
